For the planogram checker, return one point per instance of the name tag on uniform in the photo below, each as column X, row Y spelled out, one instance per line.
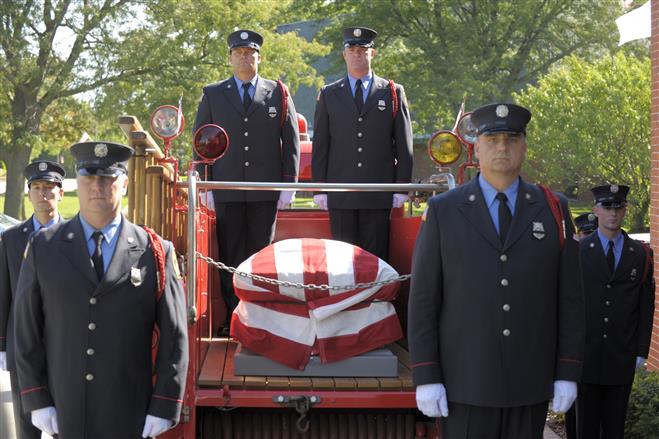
column 272, row 111
column 135, row 276
column 538, row 230
column 381, row 105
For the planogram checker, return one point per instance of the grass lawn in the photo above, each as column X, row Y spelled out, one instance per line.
column 68, row 208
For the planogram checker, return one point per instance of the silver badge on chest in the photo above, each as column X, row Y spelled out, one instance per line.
column 272, row 111
column 538, row 230
column 135, row 276
column 632, row 275
column 382, row 105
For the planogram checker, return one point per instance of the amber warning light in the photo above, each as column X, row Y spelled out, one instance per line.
column 210, row 142
column 444, row 147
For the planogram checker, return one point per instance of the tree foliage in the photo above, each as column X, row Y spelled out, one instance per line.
column 591, row 126
column 487, row 48
column 136, row 54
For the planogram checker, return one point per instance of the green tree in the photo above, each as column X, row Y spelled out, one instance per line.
column 135, row 53
column 591, row 126
column 488, row 48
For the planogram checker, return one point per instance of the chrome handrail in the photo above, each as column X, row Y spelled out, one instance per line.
column 317, row 187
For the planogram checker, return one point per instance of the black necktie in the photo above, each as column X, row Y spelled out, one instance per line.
column 359, row 95
column 505, row 217
column 97, row 257
column 246, row 99
column 610, row 258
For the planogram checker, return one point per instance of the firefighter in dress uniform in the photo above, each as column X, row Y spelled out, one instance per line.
column 260, row 119
column 496, row 311
column 362, row 134
column 44, row 182
column 87, row 303
column 586, row 223
column 619, row 289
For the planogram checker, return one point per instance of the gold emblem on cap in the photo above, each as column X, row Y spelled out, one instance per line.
column 502, row 110
column 357, row 32
column 101, row 150
column 243, row 35
column 43, row 166
column 614, row 188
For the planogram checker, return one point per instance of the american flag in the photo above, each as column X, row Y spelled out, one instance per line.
column 288, row 324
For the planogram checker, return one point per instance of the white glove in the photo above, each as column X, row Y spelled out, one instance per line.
column 565, row 392
column 154, row 426
column 431, row 400
column 206, row 199
column 399, row 200
column 321, row 201
column 3, row 360
column 640, row 362
column 285, row 199
column 45, row 419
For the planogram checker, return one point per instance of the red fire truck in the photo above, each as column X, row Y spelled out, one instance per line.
column 218, row 402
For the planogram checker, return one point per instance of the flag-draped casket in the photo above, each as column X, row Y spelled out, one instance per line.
column 288, row 324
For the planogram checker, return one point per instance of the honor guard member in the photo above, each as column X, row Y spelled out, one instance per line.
column 496, row 312
column 619, row 288
column 87, row 303
column 44, row 182
column 586, row 224
column 362, row 134
column 260, row 119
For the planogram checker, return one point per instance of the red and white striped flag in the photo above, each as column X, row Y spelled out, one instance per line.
column 288, row 324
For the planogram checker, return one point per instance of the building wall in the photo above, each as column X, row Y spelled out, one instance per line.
column 653, row 359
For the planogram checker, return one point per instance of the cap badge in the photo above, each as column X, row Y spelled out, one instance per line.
column 381, row 105
column 272, row 112
column 538, row 230
column 243, row 35
column 614, row 188
column 101, row 150
column 357, row 32
column 591, row 217
column 43, row 166
column 502, row 110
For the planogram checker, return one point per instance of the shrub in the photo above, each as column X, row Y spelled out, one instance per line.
column 643, row 413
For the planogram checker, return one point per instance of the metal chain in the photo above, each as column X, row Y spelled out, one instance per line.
column 298, row 285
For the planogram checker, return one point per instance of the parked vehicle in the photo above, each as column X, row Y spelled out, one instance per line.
column 219, row 403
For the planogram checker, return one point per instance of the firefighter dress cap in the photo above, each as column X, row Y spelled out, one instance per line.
column 106, row 159
column 611, row 195
column 44, row 170
column 245, row 38
column 359, row 36
column 500, row 118
column 586, row 223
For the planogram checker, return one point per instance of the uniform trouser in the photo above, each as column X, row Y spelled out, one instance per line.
column 22, row 421
column 474, row 422
column 366, row 228
column 571, row 422
column 601, row 411
column 242, row 230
